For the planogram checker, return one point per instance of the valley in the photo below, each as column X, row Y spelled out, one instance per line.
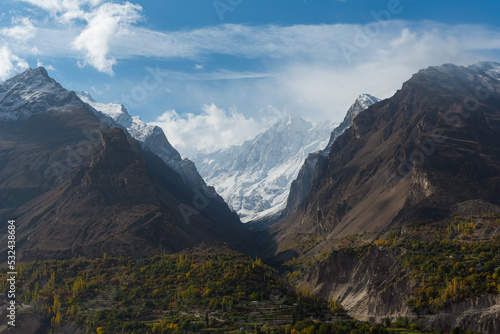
column 338, row 239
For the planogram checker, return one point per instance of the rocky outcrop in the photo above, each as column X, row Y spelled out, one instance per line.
column 476, row 314
column 374, row 286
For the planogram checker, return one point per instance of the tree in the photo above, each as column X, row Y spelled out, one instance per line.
column 457, row 330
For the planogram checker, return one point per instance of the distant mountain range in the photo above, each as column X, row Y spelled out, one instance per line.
column 255, row 177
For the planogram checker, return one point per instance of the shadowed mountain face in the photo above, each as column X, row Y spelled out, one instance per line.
column 430, row 151
column 78, row 187
column 301, row 186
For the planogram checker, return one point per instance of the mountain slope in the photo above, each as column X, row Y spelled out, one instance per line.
column 425, row 153
column 151, row 137
column 301, row 186
column 78, row 187
column 255, row 178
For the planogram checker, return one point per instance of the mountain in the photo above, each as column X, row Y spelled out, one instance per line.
column 428, row 152
column 395, row 213
column 301, row 186
column 78, row 186
column 255, row 177
column 150, row 136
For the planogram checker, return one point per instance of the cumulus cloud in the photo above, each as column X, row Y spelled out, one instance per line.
column 211, row 130
column 24, row 29
column 105, row 21
column 9, row 63
column 104, row 24
column 48, row 67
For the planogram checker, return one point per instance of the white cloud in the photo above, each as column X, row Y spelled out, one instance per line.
column 212, row 76
column 9, row 63
column 48, row 67
column 300, row 68
column 406, row 37
column 105, row 23
column 211, row 130
column 65, row 10
column 23, row 31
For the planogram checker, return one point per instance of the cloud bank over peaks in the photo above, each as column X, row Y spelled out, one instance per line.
column 212, row 129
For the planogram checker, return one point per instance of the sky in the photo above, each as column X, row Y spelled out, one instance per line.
column 213, row 73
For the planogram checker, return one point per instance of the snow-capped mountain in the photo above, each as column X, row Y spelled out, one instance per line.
column 30, row 93
column 302, row 184
column 255, row 177
column 152, row 137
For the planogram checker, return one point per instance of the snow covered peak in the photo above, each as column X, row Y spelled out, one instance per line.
column 488, row 67
column 85, row 96
column 362, row 103
column 117, row 112
column 290, row 122
column 255, row 177
column 366, row 100
column 32, row 92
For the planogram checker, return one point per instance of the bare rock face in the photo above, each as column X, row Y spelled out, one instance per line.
column 374, row 286
column 369, row 287
column 478, row 314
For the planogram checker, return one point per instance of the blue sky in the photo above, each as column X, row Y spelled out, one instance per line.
column 215, row 73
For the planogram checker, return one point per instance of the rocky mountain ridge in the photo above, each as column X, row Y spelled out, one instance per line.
column 78, row 186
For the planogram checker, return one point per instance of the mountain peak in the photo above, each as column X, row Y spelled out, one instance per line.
column 291, row 122
column 32, row 74
column 41, row 71
column 255, row 177
column 31, row 92
column 290, row 119
column 366, row 100
column 85, row 95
